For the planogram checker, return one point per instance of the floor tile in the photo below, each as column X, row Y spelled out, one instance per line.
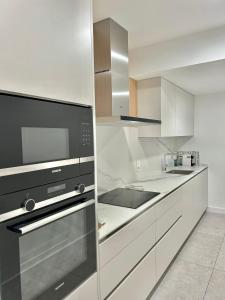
column 177, row 290
column 212, row 224
column 189, row 273
column 184, row 281
column 216, row 288
column 220, row 262
column 202, row 249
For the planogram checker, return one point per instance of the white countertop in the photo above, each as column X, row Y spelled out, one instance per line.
column 115, row 217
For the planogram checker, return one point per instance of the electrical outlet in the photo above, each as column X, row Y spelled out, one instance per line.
column 138, row 163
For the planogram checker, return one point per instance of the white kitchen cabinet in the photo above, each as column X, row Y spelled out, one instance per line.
column 195, row 200
column 112, row 273
column 49, row 52
column 168, row 108
column 165, row 221
column 88, row 290
column 184, row 113
column 111, row 247
column 158, row 98
column 168, row 247
column 139, row 283
column 134, row 259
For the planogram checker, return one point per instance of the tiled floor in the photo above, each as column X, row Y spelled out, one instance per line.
column 199, row 270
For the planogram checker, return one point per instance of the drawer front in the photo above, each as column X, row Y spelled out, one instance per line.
column 139, row 283
column 164, row 223
column 164, row 205
column 167, row 248
column 117, row 269
column 115, row 244
column 195, row 200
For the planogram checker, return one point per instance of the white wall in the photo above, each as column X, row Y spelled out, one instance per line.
column 118, row 149
column 209, row 139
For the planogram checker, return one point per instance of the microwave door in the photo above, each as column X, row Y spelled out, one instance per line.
column 56, row 253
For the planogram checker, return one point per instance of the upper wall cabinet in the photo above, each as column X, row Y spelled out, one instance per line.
column 46, row 49
column 160, row 99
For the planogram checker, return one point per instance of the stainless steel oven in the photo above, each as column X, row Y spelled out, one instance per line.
column 48, row 252
column 43, row 141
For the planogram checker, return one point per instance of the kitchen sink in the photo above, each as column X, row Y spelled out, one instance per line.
column 180, row 172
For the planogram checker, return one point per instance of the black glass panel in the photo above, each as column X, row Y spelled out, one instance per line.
column 50, row 261
column 44, row 144
column 127, row 197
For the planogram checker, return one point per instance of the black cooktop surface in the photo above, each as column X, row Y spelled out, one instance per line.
column 130, row 198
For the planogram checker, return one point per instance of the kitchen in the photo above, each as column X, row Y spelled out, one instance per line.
column 111, row 168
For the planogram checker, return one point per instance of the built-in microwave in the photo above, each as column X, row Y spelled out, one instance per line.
column 43, row 141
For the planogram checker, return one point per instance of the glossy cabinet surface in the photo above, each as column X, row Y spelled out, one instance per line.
column 49, row 52
column 139, row 282
column 160, row 99
column 184, row 113
column 131, row 268
column 121, row 252
column 168, row 108
column 195, row 200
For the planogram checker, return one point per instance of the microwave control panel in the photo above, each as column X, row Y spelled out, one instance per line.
column 86, row 134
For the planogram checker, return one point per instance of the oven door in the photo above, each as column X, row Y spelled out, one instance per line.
column 49, row 256
column 45, row 136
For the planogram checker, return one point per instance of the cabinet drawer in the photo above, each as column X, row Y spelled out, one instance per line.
column 116, row 270
column 167, row 248
column 165, row 204
column 168, row 219
column 139, row 282
column 115, row 244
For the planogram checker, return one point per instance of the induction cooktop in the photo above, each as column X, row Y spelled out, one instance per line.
column 125, row 197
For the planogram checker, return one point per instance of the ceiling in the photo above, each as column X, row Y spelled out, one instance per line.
column 207, row 78
column 153, row 21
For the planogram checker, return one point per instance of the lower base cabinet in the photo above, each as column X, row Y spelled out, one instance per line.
column 167, row 248
column 139, row 282
column 176, row 216
column 195, row 201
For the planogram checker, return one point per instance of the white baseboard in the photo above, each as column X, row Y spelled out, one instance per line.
column 218, row 210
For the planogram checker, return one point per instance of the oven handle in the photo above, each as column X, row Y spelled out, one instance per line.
column 35, row 225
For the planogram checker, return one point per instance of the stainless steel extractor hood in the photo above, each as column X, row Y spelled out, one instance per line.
column 111, row 76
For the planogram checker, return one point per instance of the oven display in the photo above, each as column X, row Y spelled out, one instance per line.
column 56, row 188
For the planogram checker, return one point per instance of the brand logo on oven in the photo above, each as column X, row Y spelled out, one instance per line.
column 56, row 171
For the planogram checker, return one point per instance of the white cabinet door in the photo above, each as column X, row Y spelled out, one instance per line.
column 46, row 48
column 184, row 113
column 139, row 284
column 201, row 192
column 168, row 108
column 112, row 273
column 161, row 99
column 195, row 200
column 167, row 248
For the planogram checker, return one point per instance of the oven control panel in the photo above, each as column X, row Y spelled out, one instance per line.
column 25, row 201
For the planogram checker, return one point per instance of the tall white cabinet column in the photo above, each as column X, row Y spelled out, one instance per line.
column 46, row 48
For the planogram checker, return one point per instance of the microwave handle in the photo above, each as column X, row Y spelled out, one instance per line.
column 45, row 221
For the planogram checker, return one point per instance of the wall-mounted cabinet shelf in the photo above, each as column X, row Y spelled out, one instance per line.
column 160, row 99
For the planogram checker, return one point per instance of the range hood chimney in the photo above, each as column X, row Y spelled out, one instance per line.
column 111, row 76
